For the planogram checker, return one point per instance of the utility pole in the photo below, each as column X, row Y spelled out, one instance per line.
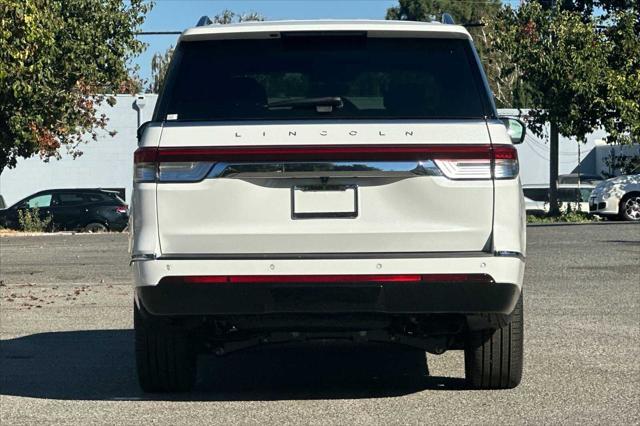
column 553, row 171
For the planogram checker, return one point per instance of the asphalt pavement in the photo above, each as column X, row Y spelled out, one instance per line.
column 66, row 353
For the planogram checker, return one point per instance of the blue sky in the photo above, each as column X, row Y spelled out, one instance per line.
column 176, row 15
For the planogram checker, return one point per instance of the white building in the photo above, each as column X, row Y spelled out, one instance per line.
column 107, row 162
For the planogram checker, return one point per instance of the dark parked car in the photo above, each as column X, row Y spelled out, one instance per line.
column 91, row 210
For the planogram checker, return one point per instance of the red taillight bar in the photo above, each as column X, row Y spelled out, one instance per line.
column 320, row 279
column 324, row 153
column 145, row 155
column 505, row 152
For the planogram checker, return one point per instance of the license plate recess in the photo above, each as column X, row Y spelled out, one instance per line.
column 324, row 201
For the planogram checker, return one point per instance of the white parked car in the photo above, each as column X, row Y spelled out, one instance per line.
column 327, row 180
column 573, row 197
column 617, row 197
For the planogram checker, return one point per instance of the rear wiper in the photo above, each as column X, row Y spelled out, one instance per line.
column 324, row 104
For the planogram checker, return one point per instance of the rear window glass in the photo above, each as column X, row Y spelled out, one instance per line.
column 102, row 197
column 373, row 77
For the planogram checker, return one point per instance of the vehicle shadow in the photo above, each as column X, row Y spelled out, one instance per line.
column 99, row 365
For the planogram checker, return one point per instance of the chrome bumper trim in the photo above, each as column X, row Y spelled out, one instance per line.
column 384, row 169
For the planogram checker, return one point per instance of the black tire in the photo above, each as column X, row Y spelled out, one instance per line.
column 630, row 207
column 95, row 227
column 493, row 359
column 165, row 357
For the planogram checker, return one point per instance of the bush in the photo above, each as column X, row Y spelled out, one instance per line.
column 30, row 220
column 569, row 216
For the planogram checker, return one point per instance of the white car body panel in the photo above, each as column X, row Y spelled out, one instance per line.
column 270, row 29
column 398, row 215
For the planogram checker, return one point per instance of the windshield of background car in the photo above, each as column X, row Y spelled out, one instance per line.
column 374, row 77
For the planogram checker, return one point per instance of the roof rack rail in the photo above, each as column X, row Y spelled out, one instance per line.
column 447, row 19
column 204, row 20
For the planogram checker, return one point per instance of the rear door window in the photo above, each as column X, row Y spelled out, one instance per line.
column 96, row 197
column 69, row 199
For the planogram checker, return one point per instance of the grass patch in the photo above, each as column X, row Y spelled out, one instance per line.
column 565, row 217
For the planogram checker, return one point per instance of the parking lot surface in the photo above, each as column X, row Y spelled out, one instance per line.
column 66, row 350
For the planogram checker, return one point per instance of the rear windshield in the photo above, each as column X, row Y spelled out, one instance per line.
column 353, row 77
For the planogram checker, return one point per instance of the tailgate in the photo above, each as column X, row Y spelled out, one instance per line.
column 375, row 189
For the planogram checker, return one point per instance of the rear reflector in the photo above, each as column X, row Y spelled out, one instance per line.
column 324, row 279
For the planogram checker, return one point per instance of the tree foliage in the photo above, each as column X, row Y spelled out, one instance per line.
column 55, row 55
column 582, row 71
column 475, row 14
column 159, row 66
column 160, row 61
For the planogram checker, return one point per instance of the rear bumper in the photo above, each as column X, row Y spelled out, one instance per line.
column 168, row 299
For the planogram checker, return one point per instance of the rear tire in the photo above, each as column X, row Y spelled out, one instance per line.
column 494, row 358
column 165, row 357
column 95, row 227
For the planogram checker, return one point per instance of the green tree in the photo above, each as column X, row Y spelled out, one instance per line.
column 476, row 15
column 159, row 66
column 581, row 72
column 55, row 55
column 160, row 61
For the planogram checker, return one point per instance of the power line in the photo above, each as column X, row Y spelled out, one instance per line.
column 159, row 33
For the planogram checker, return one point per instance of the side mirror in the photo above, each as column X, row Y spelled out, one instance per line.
column 515, row 128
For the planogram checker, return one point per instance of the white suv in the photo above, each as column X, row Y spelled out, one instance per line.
column 327, row 180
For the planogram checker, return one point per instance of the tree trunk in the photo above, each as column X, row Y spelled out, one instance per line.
column 554, row 209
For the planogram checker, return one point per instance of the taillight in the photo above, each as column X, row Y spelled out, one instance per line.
column 150, row 166
column 144, row 165
column 454, row 161
column 121, row 209
column 499, row 161
column 184, row 171
column 505, row 162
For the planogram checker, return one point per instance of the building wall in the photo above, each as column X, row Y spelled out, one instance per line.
column 107, row 162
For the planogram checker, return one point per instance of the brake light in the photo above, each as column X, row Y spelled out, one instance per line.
column 144, row 164
column 325, row 279
column 505, row 162
column 500, row 163
column 455, row 161
column 121, row 209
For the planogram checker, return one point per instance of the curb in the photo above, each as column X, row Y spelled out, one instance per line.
column 53, row 234
column 533, row 225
